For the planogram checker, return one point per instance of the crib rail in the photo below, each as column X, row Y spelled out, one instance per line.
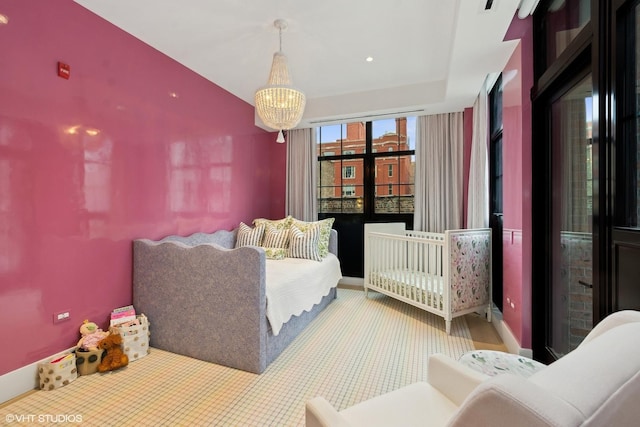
column 411, row 267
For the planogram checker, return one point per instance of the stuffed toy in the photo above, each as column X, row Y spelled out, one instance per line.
column 114, row 357
column 91, row 335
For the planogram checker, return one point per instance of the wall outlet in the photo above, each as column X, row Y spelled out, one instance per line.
column 61, row 316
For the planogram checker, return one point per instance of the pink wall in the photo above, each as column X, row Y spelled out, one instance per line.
column 71, row 202
column 517, row 78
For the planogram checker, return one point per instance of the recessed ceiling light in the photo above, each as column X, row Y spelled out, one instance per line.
column 4, row 19
column 369, row 58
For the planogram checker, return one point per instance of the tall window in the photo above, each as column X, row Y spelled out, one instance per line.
column 495, row 135
column 628, row 150
column 495, row 190
column 349, row 183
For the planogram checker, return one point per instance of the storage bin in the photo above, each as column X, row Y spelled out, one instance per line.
column 57, row 372
column 87, row 361
column 135, row 338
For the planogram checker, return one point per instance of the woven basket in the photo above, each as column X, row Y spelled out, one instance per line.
column 57, row 372
column 135, row 339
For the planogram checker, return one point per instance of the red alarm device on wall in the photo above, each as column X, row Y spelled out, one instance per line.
column 64, row 70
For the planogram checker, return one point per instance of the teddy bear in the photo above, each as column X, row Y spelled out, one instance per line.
column 90, row 336
column 114, row 357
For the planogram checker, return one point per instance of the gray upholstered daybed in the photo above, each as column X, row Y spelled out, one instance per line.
column 209, row 301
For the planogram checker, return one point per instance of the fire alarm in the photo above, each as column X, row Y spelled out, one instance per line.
column 64, row 70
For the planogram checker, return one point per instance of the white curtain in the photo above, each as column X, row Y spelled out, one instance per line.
column 438, row 179
column 300, row 199
column 574, row 212
column 478, row 188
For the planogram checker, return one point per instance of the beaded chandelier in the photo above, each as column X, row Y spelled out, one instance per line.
column 278, row 104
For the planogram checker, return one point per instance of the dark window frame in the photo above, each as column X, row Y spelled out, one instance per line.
column 369, row 157
column 495, row 147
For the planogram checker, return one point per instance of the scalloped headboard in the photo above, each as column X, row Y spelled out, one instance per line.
column 224, row 238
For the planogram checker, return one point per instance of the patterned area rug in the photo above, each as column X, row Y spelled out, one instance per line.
column 356, row 349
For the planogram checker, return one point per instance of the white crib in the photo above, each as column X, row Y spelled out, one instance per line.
column 447, row 274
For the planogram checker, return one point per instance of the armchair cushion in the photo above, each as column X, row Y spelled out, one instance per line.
column 614, row 319
column 596, row 377
column 320, row 413
column 412, row 405
column 510, row 400
column 454, row 380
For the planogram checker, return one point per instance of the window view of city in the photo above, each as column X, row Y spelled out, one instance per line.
column 362, row 160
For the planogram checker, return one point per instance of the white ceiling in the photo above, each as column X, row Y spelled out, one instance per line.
column 430, row 56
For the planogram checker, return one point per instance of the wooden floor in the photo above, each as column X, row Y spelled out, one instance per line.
column 484, row 335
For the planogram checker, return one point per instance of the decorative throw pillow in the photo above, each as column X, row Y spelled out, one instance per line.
column 325, row 232
column 304, row 244
column 275, row 253
column 275, row 238
column 248, row 236
column 279, row 224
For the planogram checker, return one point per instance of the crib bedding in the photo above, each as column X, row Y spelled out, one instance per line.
column 418, row 286
column 295, row 285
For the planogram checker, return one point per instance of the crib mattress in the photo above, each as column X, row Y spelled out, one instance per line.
column 416, row 286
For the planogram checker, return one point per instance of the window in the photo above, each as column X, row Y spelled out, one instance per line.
column 495, row 189
column 495, row 147
column 348, row 182
column 348, row 190
column 348, row 172
column 563, row 22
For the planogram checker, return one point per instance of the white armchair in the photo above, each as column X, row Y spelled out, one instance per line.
column 597, row 384
column 448, row 384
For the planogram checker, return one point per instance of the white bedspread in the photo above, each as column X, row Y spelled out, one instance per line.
column 295, row 285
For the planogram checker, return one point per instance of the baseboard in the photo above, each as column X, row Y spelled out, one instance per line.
column 356, row 283
column 23, row 380
column 508, row 338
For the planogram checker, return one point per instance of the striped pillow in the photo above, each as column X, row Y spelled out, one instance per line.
column 304, row 244
column 248, row 236
column 325, row 232
column 274, row 238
